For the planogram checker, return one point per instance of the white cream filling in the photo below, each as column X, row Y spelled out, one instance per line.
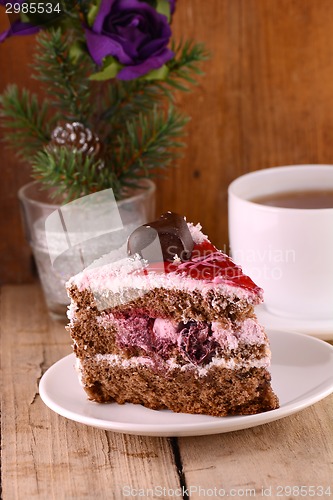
column 171, row 364
column 78, row 369
column 71, row 310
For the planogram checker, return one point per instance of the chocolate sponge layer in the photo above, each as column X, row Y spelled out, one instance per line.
column 174, row 304
column 221, row 392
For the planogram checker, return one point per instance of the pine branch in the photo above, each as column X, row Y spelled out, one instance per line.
column 151, row 142
column 133, row 97
column 125, row 100
column 184, row 68
column 64, row 77
column 72, row 174
column 26, row 122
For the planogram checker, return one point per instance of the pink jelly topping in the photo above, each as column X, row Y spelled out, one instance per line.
column 210, row 265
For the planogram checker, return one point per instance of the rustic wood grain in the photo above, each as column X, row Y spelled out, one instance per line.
column 46, row 456
column 294, row 451
column 15, row 256
column 266, row 100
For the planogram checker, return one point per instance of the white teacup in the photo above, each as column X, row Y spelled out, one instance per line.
column 286, row 251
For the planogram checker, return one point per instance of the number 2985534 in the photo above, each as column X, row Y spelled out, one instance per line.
column 33, row 8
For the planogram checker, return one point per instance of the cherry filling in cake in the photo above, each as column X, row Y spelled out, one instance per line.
column 195, row 342
column 180, row 333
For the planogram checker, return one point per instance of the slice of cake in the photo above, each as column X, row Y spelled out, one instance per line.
column 175, row 331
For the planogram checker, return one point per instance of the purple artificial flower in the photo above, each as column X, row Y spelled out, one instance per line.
column 172, row 6
column 17, row 27
column 134, row 33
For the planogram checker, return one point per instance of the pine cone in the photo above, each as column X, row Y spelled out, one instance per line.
column 78, row 137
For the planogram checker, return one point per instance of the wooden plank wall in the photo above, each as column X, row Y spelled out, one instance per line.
column 266, row 100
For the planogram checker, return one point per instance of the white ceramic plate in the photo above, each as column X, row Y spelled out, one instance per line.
column 302, row 374
column 321, row 329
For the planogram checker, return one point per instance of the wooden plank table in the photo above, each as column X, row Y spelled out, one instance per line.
column 46, row 456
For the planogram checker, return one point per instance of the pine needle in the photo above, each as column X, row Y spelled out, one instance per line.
column 26, row 121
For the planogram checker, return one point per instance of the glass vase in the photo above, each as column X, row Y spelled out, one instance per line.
column 136, row 208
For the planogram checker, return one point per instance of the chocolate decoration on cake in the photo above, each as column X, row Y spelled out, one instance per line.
column 174, row 238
